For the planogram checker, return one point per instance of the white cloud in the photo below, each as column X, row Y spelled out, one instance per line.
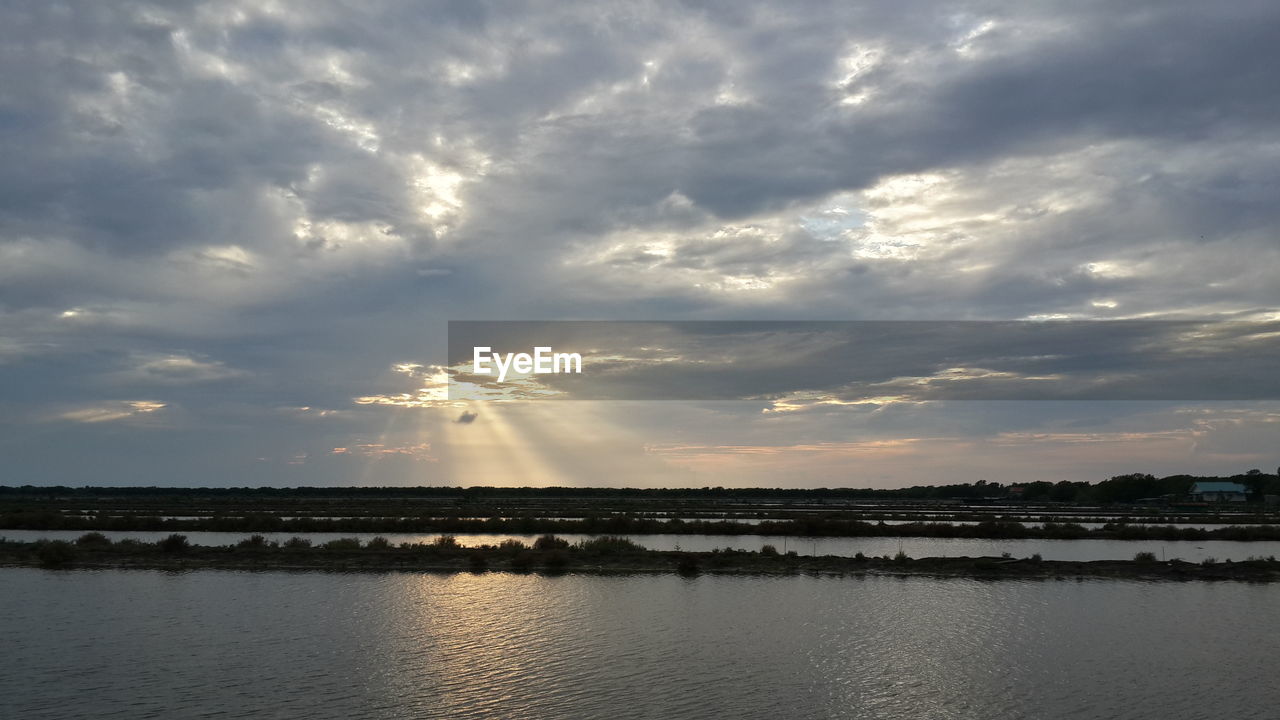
column 110, row 412
column 175, row 369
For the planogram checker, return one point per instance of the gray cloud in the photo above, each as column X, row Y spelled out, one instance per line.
column 233, row 209
column 808, row 363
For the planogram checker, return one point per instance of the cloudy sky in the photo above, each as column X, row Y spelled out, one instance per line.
column 232, row 234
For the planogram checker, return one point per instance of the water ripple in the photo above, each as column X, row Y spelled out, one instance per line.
column 212, row 644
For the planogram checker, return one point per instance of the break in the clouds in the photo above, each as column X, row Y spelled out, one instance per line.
column 223, row 227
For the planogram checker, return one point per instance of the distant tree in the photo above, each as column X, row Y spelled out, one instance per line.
column 1067, row 491
column 1257, row 483
column 1127, row 488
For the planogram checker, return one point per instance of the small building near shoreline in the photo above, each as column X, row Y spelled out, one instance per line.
column 1219, row 492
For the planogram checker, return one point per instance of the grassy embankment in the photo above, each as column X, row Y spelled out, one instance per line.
column 600, row 555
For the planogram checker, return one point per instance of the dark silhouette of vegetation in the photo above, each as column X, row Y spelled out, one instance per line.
column 94, row 539
column 423, row 556
column 1120, row 488
column 550, row 542
column 688, row 566
column 523, row 562
column 610, row 545
column 175, row 543
column 555, row 560
column 1145, row 557
column 56, row 553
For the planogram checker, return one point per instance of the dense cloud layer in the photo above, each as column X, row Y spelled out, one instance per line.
column 221, row 226
column 878, row 362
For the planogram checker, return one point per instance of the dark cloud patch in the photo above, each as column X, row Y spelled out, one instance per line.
column 884, row 362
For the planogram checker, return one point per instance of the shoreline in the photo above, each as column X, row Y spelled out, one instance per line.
column 561, row 560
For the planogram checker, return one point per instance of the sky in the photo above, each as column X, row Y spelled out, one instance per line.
column 232, row 235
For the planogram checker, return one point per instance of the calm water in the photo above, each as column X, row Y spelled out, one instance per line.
column 917, row 547
column 141, row 644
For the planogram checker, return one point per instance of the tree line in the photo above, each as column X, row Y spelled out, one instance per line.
column 1117, row 489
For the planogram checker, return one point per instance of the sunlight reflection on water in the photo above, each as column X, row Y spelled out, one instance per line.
column 142, row 644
